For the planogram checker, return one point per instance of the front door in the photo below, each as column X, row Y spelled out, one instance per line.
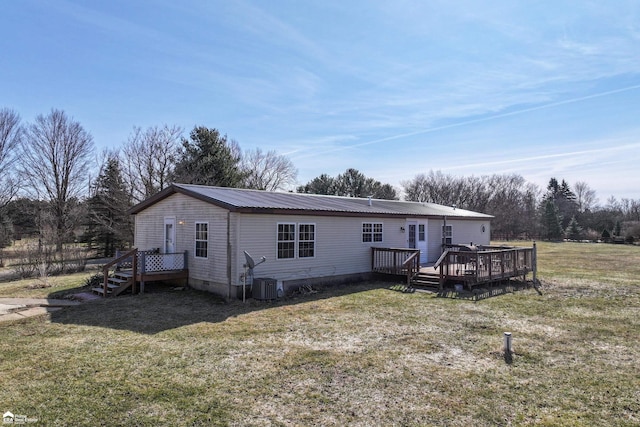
column 417, row 238
column 412, row 235
column 422, row 241
column 169, row 235
column 169, row 243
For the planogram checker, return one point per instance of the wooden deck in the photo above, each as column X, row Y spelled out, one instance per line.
column 131, row 270
column 458, row 265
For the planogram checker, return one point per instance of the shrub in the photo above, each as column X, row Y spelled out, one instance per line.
column 94, row 280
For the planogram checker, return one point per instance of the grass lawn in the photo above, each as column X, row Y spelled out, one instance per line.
column 358, row 355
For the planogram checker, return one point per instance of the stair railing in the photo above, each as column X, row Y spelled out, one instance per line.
column 412, row 266
column 133, row 253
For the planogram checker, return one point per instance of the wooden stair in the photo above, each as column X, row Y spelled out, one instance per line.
column 426, row 281
column 117, row 283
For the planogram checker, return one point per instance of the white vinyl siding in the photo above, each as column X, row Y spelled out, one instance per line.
column 338, row 247
column 149, row 234
column 202, row 240
column 467, row 232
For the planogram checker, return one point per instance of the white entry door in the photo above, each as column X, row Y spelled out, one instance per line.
column 169, row 243
column 422, row 241
column 169, row 235
column 417, row 238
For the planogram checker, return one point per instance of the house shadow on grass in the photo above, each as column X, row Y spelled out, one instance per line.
column 163, row 307
column 489, row 290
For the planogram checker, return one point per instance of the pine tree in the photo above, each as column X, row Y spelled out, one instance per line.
column 574, row 231
column 552, row 221
column 208, row 159
column 109, row 225
column 618, row 229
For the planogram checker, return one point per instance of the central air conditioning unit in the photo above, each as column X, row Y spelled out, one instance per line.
column 264, row 288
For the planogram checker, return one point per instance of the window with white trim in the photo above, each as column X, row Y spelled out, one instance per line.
column 421, row 233
column 371, row 232
column 286, row 241
column 202, row 240
column 296, row 240
column 306, row 240
column 447, row 233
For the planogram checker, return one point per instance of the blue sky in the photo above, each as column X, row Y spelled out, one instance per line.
column 391, row 88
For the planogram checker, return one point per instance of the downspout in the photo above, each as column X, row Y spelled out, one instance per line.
column 444, row 235
column 228, row 255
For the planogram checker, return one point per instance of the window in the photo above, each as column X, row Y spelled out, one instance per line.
column 306, row 240
column 447, row 233
column 421, row 233
column 371, row 232
column 286, row 241
column 202, row 239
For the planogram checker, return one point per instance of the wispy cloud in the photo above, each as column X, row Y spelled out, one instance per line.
column 477, row 120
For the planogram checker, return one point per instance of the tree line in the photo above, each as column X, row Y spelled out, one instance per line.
column 54, row 186
column 47, row 187
column 523, row 210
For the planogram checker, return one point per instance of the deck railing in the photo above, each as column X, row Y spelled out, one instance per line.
column 486, row 264
column 396, row 261
column 152, row 261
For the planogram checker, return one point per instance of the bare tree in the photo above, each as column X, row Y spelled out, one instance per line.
column 54, row 162
column 507, row 197
column 585, row 196
column 10, row 135
column 148, row 159
column 267, row 170
column 435, row 187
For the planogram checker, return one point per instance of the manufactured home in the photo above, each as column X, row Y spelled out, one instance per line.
column 304, row 238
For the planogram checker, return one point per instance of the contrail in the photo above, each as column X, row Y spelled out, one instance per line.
column 472, row 121
column 607, row 149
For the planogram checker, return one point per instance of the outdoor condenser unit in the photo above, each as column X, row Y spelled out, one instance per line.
column 264, row 288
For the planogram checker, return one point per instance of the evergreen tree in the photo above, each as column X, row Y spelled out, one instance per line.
column 574, row 231
column 552, row 221
column 618, row 229
column 563, row 198
column 352, row 183
column 109, row 225
column 323, row 184
column 207, row 158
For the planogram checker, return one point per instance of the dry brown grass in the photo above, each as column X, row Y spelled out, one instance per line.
column 360, row 355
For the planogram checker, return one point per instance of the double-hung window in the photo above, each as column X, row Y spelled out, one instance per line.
column 296, row 241
column 447, row 233
column 202, row 240
column 371, row 232
column 306, row 240
column 286, row 241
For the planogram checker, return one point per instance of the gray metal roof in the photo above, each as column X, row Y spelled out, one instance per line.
column 256, row 201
